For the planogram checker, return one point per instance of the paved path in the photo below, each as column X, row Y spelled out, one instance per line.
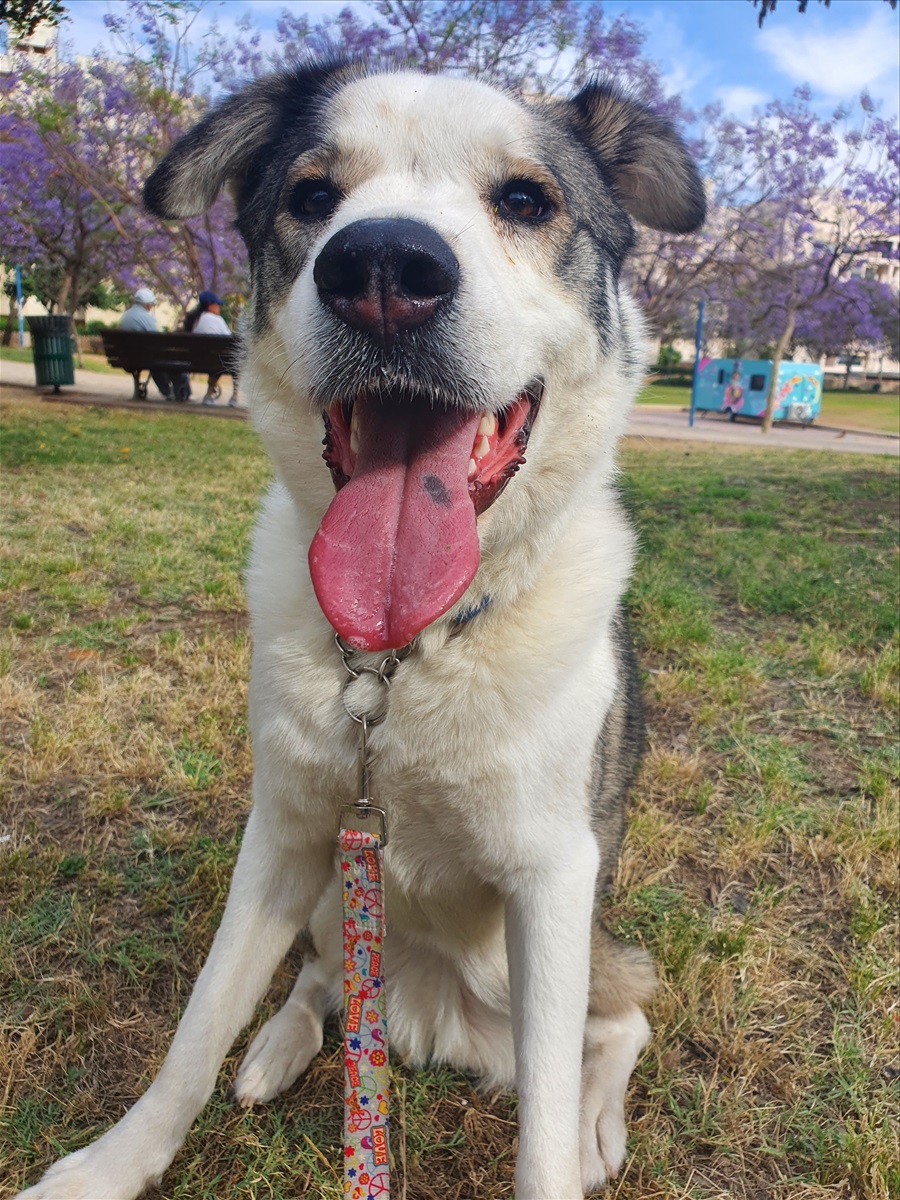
column 647, row 420
column 656, row 421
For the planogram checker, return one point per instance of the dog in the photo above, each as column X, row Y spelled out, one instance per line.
column 436, row 297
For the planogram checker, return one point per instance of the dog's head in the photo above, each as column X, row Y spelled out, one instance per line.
column 435, row 273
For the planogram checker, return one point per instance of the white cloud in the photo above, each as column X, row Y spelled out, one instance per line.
column 684, row 66
column 740, row 100
column 838, row 61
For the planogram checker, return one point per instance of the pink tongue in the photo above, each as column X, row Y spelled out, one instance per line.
column 398, row 546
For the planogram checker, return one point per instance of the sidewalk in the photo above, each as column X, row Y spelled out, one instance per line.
column 652, row 421
column 646, row 420
column 113, row 390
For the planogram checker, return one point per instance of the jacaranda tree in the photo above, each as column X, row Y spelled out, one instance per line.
column 816, row 195
column 81, row 139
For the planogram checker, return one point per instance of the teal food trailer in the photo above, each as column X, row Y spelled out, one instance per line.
column 739, row 387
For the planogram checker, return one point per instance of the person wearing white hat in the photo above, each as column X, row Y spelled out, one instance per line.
column 140, row 319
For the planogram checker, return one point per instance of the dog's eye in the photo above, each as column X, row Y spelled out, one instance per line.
column 313, row 199
column 522, row 200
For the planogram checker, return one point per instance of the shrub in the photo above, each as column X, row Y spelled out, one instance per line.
column 668, row 358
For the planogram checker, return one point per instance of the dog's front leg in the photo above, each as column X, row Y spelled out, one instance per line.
column 548, row 922
column 275, row 887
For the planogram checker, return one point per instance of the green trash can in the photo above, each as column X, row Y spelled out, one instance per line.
column 51, row 345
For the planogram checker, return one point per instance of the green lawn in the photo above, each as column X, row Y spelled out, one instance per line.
column 658, row 393
column 91, row 362
column 867, row 410
column 759, row 869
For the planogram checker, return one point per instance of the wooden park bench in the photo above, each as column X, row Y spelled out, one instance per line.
column 196, row 353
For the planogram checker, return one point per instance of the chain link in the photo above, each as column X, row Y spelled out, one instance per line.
column 383, row 672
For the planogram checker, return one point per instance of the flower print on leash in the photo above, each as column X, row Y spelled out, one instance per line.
column 366, row 1073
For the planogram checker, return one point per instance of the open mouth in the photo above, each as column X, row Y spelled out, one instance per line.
column 498, row 447
column 398, row 546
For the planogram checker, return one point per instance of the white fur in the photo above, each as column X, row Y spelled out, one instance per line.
column 485, row 758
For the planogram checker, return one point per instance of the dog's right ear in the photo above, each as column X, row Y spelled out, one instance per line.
column 220, row 149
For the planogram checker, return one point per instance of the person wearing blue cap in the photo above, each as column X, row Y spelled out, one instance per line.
column 206, row 318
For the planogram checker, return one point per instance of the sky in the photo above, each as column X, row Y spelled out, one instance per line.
column 707, row 49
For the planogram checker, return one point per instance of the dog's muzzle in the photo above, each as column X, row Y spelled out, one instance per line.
column 386, row 276
column 399, row 543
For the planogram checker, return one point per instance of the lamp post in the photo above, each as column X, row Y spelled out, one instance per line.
column 19, row 306
column 698, row 344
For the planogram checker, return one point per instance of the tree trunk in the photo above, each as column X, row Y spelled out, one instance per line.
column 786, row 334
column 62, row 296
column 74, row 300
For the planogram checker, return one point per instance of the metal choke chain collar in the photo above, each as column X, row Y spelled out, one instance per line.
column 382, row 672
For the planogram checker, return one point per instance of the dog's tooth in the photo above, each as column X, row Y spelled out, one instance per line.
column 354, row 420
column 473, row 468
column 354, row 441
column 483, row 447
column 488, row 425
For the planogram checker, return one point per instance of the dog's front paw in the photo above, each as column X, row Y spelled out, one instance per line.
column 611, row 1051
column 88, row 1175
column 278, row 1055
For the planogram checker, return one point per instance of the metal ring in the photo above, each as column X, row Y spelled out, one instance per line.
column 383, row 673
column 372, row 720
column 377, row 671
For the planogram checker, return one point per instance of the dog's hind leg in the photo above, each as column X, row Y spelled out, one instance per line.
column 278, row 879
column 622, row 978
column 289, row 1041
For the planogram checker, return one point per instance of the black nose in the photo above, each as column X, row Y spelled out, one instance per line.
column 385, row 276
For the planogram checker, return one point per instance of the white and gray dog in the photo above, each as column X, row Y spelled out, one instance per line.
column 436, row 283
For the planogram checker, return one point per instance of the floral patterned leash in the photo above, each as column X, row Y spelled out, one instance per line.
column 366, row 1068
column 366, row 1072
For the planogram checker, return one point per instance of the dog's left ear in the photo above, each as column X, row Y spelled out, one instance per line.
column 649, row 163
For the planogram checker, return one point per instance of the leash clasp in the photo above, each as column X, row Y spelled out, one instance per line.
column 363, row 811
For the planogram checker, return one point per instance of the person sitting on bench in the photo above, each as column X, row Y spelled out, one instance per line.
column 140, row 319
column 206, row 318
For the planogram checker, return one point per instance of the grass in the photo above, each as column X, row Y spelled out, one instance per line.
column 89, row 362
column 879, row 413
column 867, row 411
column 759, row 867
column 661, row 393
